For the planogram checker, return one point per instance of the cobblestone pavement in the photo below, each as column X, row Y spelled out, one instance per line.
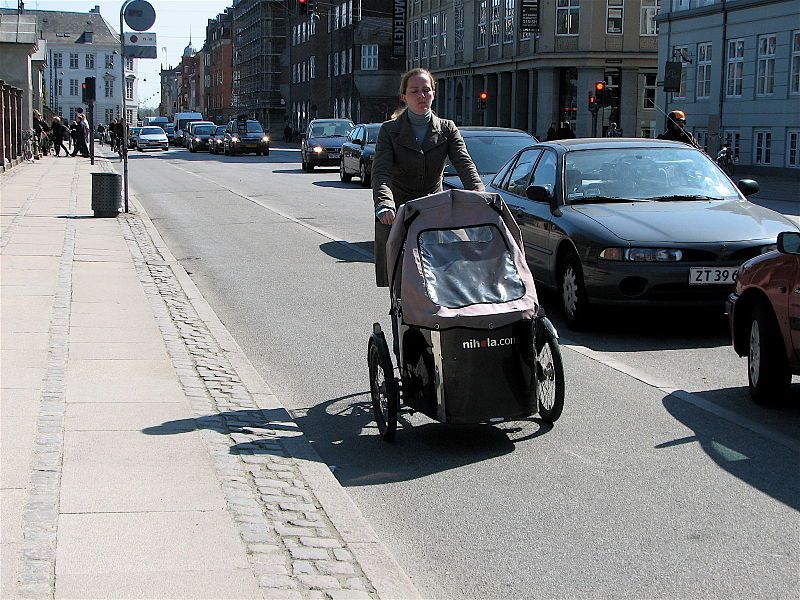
column 304, row 537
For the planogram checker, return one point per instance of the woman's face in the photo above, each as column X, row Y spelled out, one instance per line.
column 419, row 94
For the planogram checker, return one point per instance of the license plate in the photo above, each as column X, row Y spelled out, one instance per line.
column 333, row 155
column 712, row 275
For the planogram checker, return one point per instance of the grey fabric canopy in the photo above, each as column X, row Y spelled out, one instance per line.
column 456, row 259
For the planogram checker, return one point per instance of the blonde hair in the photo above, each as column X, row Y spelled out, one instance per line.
column 404, row 86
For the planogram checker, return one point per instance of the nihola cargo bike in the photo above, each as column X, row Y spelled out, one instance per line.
column 471, row 342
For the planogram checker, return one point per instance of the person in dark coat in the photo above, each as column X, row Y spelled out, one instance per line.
column 60, row 133
column 78, row 134
column 410, row 155
column 676, row 129
column 565, row 132
column 551, row 133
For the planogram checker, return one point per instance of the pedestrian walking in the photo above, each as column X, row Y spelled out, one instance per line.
column 410, row 155
column 676, row 129
column 60, row 132
column 287, row 133
column 41, row 128
column 565, row 132
column 551, row 133
column 101, row 133
column 79, row 133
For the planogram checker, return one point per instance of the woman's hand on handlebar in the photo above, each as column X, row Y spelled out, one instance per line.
column 387, row 217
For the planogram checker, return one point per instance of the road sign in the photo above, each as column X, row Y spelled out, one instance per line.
column 139, row 15
column 140, row 45
column 529, row 12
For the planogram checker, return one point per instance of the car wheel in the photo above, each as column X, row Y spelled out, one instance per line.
column 572, row 292
column 343, row 175
column 768, row 371
column 364, row 174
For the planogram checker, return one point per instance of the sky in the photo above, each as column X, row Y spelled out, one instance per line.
column 174, row 18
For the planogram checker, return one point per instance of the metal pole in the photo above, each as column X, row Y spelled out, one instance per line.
column 124, row 110
column 91, row 132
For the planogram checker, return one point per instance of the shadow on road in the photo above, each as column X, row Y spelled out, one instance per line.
column 335, row 184
column 350, row 252
column 764, row 464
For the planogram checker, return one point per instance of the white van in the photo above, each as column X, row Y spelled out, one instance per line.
column 181, row 122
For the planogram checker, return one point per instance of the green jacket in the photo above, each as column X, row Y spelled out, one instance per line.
column 403, row 171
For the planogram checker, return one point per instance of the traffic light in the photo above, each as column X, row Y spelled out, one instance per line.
column 482, row 98
column 302, row 6
column 89, row 90
column 593, row 104
column 600, row 93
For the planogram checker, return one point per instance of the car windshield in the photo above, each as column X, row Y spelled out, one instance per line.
column 489, row 153
column 170, row 129
column 331, row 129
column 152, row 131
column 664, row 174
column 204, row 130
column 220, row 130
column 248, row 127
column 135, row 129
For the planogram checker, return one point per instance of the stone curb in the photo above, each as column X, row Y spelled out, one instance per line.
column 377, row 563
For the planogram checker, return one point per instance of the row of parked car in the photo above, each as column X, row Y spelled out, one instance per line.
column 631, row 222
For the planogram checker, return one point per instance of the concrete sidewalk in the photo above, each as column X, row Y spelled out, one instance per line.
column 142, row 455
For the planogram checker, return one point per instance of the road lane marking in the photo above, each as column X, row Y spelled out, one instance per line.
column 300, row 222
column 601, row 357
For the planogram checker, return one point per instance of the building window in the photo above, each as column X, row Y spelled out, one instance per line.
column 128, row 63
column 434, row 35
column 73, row 60
column 312, row 67
column 59, row 87
column 735, row 67
column 792, row 149
column 73, row 113
column 763, row 147
column 681, row 51
column 701, row 135
column 335, row 64
column 766, row 64
column 129, row 89
column 90, row 61
column 58, row 60
column 733, row 140
column 567, row 17
column 349, row 60
column 109, row 89
column 73, row 87
column 481, row 42
column 443, row 35
column 458, row 20
column 109, row 61
column 494, row 37
column 415, row 40
column 424, row 43
column 794, row 73
column 369, row 57
column 508, row 28
column 648, row 25
column 649, row 91
column 614, row 17
column 703, row 70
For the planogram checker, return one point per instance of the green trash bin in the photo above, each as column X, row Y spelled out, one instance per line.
column 106, row 194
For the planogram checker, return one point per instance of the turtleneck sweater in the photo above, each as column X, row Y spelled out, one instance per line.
column 419, row 124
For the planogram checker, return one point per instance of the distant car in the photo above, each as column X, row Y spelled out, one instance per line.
column 152, row 138
column 170, row 131
column 763, row 316
column 188, row 133
column 243, row 136
column 321, row 145
column 358, row 152
column 490, row 148
column 642, row 222
column 133, row 133
column 217, row 140
column 199, row 134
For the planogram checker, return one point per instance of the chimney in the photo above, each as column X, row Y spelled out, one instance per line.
column 96, row 9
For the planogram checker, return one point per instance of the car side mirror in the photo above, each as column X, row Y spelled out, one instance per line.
column 538, row 193
column 358, row 142
column 789, row 242
column 748, row 186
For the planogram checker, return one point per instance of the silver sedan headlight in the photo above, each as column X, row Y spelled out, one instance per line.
column 642, row 254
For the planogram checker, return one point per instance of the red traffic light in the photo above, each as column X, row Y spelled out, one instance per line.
column 483, row 95
column 600, row 86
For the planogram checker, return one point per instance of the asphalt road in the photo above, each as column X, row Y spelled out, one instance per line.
column 661, row 479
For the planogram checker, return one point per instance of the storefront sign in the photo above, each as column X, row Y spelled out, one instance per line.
column 529, row 23
column 399, row 29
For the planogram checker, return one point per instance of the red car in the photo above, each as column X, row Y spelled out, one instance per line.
column 764, row 315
